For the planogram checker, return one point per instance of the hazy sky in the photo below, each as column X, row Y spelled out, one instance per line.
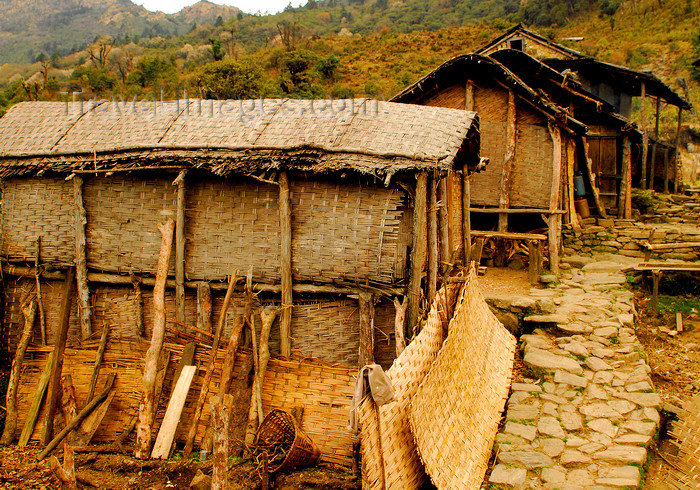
column 251, row 6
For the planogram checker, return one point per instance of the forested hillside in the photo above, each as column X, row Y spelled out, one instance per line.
column 342, row 48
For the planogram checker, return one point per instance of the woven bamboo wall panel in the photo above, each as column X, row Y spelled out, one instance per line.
column 232, row 224
column 384, row 336
column 455, row 413
column 684, row 448
column 389, row 439
column 122, row 218
column 345, row 231
column 41, row 206
column 452, row 97
column 532, row 174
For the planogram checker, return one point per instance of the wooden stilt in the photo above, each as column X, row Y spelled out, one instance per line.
column 147, row 406
column 400, row 324
column 285, row 209
column 366, row 329
column 55, row 377
column 180, row 246
column 204, row 390
column 98, row 361
column 432, row 240
column 418, row 250
column 8, row 434
column 84, row 308
column 39, row 299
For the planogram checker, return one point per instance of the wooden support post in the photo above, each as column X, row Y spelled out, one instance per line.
column 147, row 406
column 509, row 162
column 666, row 150
column 645, row 139
column 592, row 179
column 677, row 163
column 478, row 248
column 8, row 434
column 652, row 165
column 33, row 413
column 138, row 299
column 268, row 316
column 68, row 404
column 625, row 198
column 180, row 246
column 444, row 227
column 78, row 418
column 432, row 240
column 400, row 324
column 98, row 361
column 39, row 299
column 456, row 222
column 84, row 308
column 469, row 96
column 221, row 415
column 65, row 473
column 570, row 160
column 535, row 250
column 655, row 277
column 554, row 222
column 204, row 305
column 467, row 217
column 285, row 209
column 417, row 252
column 204, row 390
column 366, row 329
column 55, row 377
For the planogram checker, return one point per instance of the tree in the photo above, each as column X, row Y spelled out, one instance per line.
column 228, row 79
column 99, row 51
column 219, row 21
column 216, row 50
column 150, row 70
column 98, row 80
column 327, row 66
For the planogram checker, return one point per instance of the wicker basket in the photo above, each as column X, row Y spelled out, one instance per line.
column 280, row 427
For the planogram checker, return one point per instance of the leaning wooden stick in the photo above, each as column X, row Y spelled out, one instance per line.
column 255, row 414
column 8, row 434
column 221, row 415
column 147, row 406
column 65, row 473
column 33, row 414
column 204, row 391
column 78, row 418
column 98, row 361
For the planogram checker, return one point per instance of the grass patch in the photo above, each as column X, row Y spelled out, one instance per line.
column 672, row 304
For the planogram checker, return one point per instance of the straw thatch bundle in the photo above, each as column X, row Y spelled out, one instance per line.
column 685, row 436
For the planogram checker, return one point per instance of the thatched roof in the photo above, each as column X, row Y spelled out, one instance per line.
column 477, row 67
column 371, row 137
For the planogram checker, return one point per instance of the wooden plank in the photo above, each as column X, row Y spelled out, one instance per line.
column 55, row 377
column 516, row 211
column 147, row 407
column 8, row 434
column 84, row 307
column 166, row 434
column 285, row 210
column 669, row 246
column 366, row 329
column 33, row 413
column 679, row 321
column 83, row 434
column 418, row 251
column 509, row 235
column 180, row 246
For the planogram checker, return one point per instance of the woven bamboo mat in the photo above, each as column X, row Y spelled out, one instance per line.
column 455, row 412
column 389, row 439
column 685, row 434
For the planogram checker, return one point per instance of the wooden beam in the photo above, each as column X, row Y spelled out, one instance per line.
column 624, row 206
column 645, row 139
column 418, row 250
column 84, row 308
column 8, row 434
column 60, row 346
column 180, row 246
column 88, row 427
column 285, row 210
column 516, row 211
column 554, row 223
column 467, row 217
column 366, row 329
column 592, row 179
column 432, row 239
column 511, row 235
column 68, row 403
column 147, row 406
column 677, row 163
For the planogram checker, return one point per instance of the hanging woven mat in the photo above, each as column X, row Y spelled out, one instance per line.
column 454, row 414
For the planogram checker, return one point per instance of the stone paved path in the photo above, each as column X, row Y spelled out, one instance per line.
column 586, row 411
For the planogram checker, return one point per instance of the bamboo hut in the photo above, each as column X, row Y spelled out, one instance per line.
column 331, row 208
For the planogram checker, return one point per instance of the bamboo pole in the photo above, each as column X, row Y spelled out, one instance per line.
column 285, row 210
column 432, row 240
column 366, row 329
column 84, row 308
column 417, row 251
column 554, row 231
column 645, row 140
column 180, row 246
column 8, row 434
column 467, row 217
column 98, row 361
column 39, row 299
column 444, row 227
column 204, row 390
column 55, row 376
column 147, row 406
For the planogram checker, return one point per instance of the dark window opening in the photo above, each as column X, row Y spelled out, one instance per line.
column 516, row 44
